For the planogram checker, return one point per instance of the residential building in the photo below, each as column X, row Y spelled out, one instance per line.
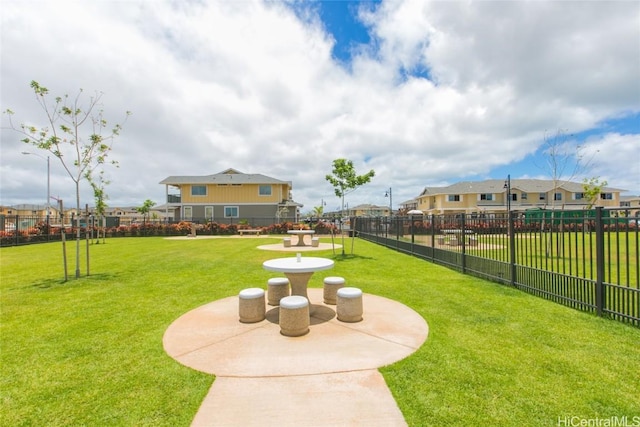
column 29, row 210
column 369, row 210
column 631, row 202
column 492, row 196
column 409, row 205
column 28, row 215
column 360, row 210
column 230, row 195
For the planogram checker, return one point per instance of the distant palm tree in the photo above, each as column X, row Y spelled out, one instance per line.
column 144, row 209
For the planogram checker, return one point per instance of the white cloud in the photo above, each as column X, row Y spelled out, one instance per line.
column 616, row 159
column 252, row 86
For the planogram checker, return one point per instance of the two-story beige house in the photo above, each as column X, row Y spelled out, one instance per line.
column 230, row 196
column 492, row 196
column 632, row 203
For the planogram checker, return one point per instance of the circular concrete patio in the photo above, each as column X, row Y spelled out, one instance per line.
column 335, row 361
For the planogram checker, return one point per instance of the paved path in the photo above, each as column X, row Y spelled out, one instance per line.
column 328, row 377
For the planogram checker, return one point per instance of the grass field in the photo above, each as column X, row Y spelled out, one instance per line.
column 89, row 351
column 571, row 253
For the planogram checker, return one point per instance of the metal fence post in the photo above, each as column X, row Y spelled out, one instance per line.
column 433, row 235
column 600, row 290
column 512, row 249
column 16, row 229
column 463, row 237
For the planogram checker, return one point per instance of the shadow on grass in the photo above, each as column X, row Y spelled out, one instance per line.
column 72, row 282
column 349, row 257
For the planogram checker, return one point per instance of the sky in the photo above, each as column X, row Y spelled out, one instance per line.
column 425, row 93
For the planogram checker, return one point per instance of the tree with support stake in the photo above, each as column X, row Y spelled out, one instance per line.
column 564, row 160
column 63, row 238
column 100, row 199
column 80, row 152
column 344, row 181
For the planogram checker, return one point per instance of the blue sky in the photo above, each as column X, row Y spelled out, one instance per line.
column 426, row 93
column 340, row 18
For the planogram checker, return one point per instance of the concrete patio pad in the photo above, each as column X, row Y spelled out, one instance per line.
column 327, row 377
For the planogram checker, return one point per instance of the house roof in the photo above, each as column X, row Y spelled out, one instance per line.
column 29, row 207
column 229, row 176
column 367, row 206
column 498, row 186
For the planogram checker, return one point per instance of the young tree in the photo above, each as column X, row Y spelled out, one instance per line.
column 563, row 162
column 592, row 189
column 76, row 133
column 145, row 208
column 344, row 181
column 100, row 197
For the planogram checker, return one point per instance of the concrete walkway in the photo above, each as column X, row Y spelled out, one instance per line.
column 328, row 377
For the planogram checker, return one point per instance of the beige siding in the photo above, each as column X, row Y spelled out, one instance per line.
column 242, row 193
column 471, row 202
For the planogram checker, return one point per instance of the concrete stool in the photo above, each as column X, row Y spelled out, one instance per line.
column 349, row 305
column 331, row 286
column 251, row 308
column 294, row 316
column 315, row 242
column 286, row 242
column 277, row 288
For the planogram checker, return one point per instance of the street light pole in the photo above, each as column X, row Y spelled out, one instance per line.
column 507, row 186
column 389, row 194
column 510, row 231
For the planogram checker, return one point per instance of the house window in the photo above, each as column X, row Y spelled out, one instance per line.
column 542, row 196
column 606, row 196
column 265, row 190
column 579, row 196
column 453, row 198
column 514, row 197
column 208, row 212
column 486, row 196
column 198, row 190
column 523, row 196
column 188, row 212
column 231, row 212
column 557, row 196
column 625, row 204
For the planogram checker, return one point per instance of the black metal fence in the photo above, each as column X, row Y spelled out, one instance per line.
column 588, row 260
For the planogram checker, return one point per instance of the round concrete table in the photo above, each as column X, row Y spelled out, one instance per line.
column 301, row 234
column 298, row 270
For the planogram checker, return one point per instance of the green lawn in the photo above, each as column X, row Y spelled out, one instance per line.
column 568, row 253
column 89, row 351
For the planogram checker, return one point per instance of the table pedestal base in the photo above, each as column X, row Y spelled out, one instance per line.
column 299, row 283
